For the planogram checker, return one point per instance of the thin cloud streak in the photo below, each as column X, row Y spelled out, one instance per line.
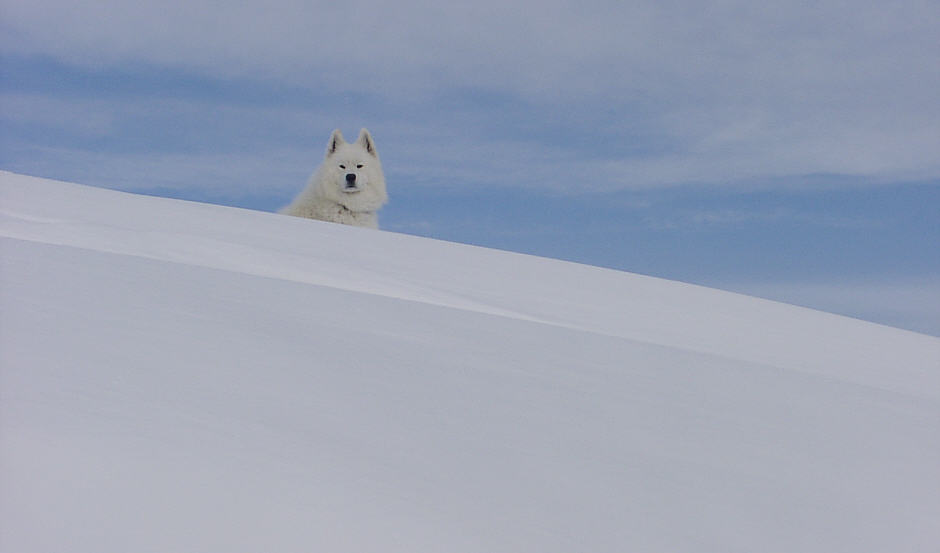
column 733, row 92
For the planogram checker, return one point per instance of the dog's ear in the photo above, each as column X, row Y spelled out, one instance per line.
column 365, row 140
column 336, row 140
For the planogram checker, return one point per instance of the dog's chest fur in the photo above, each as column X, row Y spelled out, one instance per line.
column 325, row 209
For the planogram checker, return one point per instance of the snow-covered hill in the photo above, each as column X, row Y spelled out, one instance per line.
column 187, row 377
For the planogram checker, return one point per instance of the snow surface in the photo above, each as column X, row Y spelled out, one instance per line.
column 188, row 377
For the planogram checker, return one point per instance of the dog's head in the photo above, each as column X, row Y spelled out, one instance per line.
column 352, row 173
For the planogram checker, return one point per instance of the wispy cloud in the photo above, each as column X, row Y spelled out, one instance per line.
column 608, row 95
column 737, row 218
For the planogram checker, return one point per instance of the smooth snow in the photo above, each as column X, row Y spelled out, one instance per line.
column 188, row 377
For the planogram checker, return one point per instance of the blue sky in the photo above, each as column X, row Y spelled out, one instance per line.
column 787, row 150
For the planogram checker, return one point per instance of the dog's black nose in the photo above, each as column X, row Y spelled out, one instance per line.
column 350, row 177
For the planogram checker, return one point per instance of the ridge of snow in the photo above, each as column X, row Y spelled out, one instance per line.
column 178, row 376
column 565, row 294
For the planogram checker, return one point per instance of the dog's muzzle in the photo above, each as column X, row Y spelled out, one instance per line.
column 351, row 185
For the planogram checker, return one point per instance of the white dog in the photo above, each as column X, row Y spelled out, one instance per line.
column 349, row 186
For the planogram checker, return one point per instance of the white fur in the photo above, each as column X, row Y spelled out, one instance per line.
column 329, row 196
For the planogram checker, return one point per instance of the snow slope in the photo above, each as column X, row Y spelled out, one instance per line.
column 186, row 377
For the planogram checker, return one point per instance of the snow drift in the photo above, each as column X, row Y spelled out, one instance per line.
column 187, row 377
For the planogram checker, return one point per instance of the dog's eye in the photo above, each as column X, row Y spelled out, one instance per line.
column 342, row 166
column 359, row 166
